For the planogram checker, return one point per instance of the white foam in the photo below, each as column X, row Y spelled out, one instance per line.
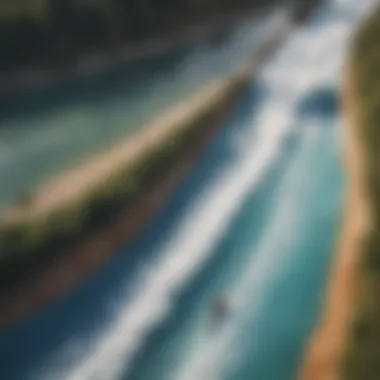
column 211, row 358
column 318, row 52
column 311, row 59
column 187, row 250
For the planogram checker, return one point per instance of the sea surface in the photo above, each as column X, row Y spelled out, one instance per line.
column 255, row 222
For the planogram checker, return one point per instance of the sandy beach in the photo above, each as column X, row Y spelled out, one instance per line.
column 325, row 348
column 68, row 187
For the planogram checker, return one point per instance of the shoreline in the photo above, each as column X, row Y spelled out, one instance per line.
column 73, row 183
column 87, row 254
column 97, row 247
column 324, row 350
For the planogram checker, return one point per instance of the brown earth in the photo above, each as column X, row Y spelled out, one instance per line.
column 324, row 351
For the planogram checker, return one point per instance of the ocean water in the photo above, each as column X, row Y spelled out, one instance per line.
column 255, row 220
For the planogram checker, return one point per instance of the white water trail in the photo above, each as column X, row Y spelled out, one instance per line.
column 189, row 247
column 211, row 358
column 289, row 77
column 310, row 59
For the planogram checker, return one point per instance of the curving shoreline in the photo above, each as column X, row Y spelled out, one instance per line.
column 73, row 183
column 325, row 349
column 95, row 248
column 84, row 256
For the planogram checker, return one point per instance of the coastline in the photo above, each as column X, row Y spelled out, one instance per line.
column 85, row 256
column 324, row 350
column 97, row 247
column 72, row 184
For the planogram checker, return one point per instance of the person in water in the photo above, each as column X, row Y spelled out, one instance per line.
column 220, row 309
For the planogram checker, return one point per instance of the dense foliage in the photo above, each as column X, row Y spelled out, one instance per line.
column 26, row 244
column 54, row 33
column 362, row 360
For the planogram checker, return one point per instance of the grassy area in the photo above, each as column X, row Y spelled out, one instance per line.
column 37, row 233
column 362, row 358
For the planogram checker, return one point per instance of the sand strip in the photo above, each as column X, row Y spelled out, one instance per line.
column 323, row 354
column 69, row 186
column 96, row 248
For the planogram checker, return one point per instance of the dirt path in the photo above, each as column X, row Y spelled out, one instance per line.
column 323, row 354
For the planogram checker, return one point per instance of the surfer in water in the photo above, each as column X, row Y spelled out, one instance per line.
column 220, row 310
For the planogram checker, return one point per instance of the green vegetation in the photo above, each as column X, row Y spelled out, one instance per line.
column 55, row 33
column 27, row 243
column 362, row 359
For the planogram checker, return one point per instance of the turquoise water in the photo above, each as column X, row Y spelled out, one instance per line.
column 256, row 220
